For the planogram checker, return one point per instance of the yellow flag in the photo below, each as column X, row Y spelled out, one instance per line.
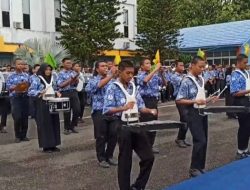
column 247, row 48
column 201, row 54
column 157, row 57
column 117, row 59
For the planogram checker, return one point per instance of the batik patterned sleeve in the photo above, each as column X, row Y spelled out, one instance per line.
column 35, row 88
column 92, row 85
column 60, row 79
column 183, row 90
column 10, row 82
column 109, row 98
column 140, row 78
column 237, row 83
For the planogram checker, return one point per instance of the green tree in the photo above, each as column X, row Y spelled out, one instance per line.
column 157, row 27
column 89, row 27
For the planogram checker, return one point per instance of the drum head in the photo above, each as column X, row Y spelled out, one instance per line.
column 52, row 99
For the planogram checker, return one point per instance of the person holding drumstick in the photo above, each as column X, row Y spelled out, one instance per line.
column 67, row 82
column 240, row 89
column 48, row 124
column 17, row 84
column 191, row 96
column 115, row 104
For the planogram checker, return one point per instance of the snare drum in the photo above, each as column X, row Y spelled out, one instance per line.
column 58, row 104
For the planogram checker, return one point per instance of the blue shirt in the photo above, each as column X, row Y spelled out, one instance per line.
column 63, row 76
column 15, row 79
column 114, row 97
column 188, row 89
column 221, row 75
column 228, row 79
column 151, row 88
column 96, row 93
column 176, row 79
column 238, row 82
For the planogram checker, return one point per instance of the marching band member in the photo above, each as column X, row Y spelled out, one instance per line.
column 105, row 128
column 191, row 96
column 4, row 105
column 32, row 100
column 240, row 89
column 121, row 97
column 17, row 84
column 149, row 83
column 67, row 82
column 48, row 125
column 176, row 79
column 80, row 90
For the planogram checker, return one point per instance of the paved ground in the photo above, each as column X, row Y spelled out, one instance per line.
column 24, row 167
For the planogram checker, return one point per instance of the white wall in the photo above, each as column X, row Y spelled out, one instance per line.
column 42, row 22
column 131, row 6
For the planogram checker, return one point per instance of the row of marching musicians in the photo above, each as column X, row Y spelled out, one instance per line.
column 114, row 95
column 49, row 96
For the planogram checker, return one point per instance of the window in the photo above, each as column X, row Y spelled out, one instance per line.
column 26, row 14
column 126, row 35
column 57, row 14
column 5, row 12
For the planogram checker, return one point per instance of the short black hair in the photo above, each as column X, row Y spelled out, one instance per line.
column 196, row 59
column 36, row 65
column 96, row 66
column 76, row 63
column 17, row 59
column 65, row 59
column 143, row 60
column 125, row 64
column 177, row 62
column 241, row 57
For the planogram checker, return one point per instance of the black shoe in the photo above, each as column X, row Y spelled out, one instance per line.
column 47, row 150
column 104, row 164
column 3, row 130
column 194, row 172
column 74, row 131
column 202, row 171
column 187, row 143
column 55, row 149
column 240, row 156
column 66, row 132
column 155, row 150
column 17, row 140
column 112, row 162
column 181, row 143
column 80, row 120
column 25, row 139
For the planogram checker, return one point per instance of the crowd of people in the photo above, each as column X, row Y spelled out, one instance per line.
column 117, row 97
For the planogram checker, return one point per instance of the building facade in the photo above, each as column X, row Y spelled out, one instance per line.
column 21, row 20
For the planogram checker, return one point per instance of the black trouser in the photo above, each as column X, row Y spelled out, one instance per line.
column 82, row 99
column 5, row 110
column 151, row 103
column 229, row 101
column 209, row 88
column 105, row 131
column 183, row 112
column 74, row 106
column 129, row 141
column 244, row 123
column 20, row 113
column 32, row 106
column 198, row 126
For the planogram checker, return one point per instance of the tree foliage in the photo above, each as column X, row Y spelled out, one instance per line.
column 89, row 26
column 157, row 27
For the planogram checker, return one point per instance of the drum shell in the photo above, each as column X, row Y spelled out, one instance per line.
column 58, row 105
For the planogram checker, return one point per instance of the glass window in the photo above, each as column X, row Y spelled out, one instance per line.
column 233, row 53
column 232, row 61
column 26, row 14
column 6, row 19
column 126, row 29
column 210, row 62
column 217, row 54
column 209, row 54
column 57, row 14
column 225, row 53
column 225, row 61
column 217, row 61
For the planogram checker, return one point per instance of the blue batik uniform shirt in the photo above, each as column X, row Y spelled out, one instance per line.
column 63, row 76
column 151, row 88
column 97, row 94
column 188, row 89
column 15, row 79
column 238, row 82
column 114, row 97
column 175, row 80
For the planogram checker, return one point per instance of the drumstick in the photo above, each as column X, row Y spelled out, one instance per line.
column 218, row 91
column 222, row 91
